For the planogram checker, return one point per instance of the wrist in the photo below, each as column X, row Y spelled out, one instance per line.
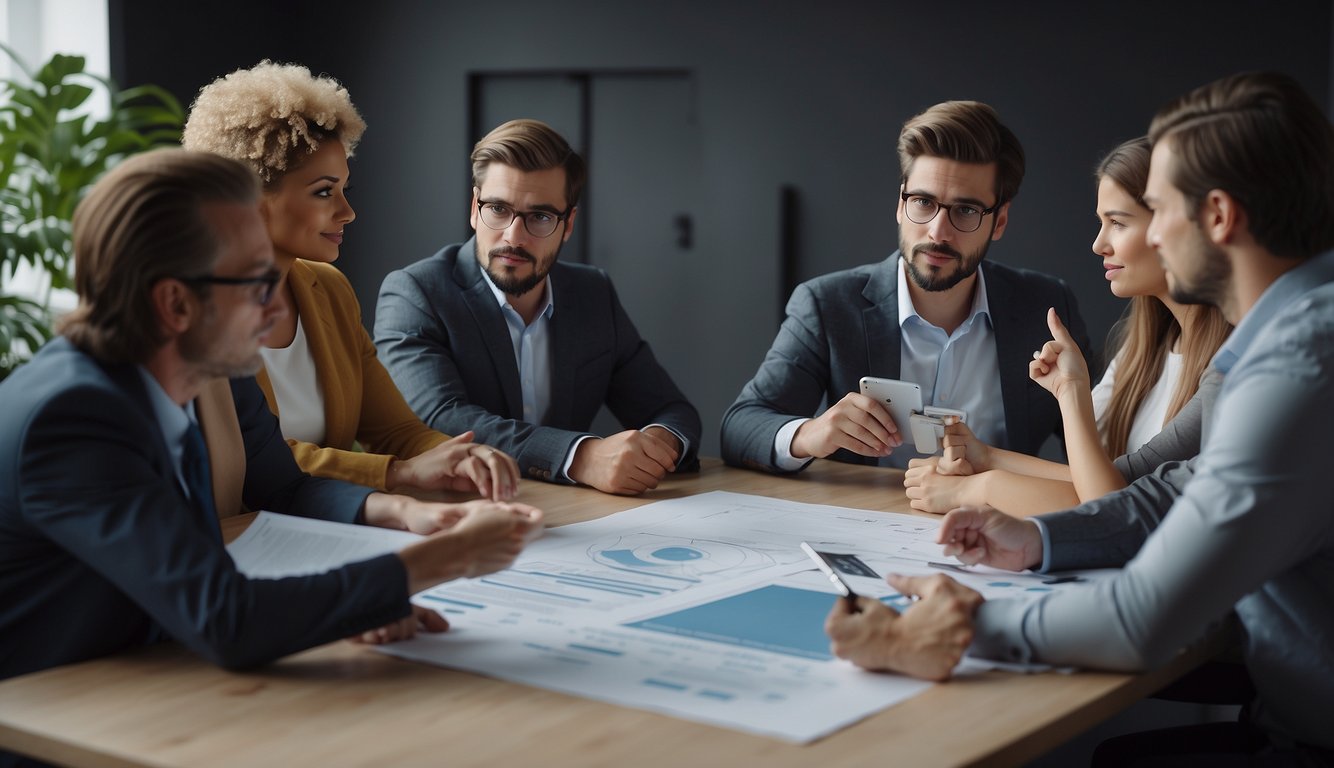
column 397, row 474
column 386, row 510
column 436, row 560
column 797, row 448
column 580, row 458
column 1075, row 393
column 976, row 489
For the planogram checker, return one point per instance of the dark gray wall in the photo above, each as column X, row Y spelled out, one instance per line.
column 788, row 93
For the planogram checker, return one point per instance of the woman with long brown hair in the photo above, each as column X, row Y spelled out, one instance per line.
column 1148, row 407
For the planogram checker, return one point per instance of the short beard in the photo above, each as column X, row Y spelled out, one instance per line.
column 515, row 286
column 1211, row 285
column 197, row 344
column 967, row 266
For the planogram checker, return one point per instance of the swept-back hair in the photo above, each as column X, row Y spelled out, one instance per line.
column 140, row 223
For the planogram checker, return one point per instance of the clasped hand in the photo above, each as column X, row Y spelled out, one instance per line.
column 458, row 464
column 626, row 463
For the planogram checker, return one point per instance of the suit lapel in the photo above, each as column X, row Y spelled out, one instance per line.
column 881, row 320
column 562, row 334
column 317, row 320
column 1013, row 354
column 128, row 379
column 491, row 326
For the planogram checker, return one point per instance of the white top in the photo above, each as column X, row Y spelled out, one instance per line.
column 296, row 387
column 1152, row 411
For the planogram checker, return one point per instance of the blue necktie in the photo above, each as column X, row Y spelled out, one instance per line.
column 198, row 478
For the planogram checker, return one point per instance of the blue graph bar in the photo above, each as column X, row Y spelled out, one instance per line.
column 439, row 599
column 772, row 618
column 535, row 591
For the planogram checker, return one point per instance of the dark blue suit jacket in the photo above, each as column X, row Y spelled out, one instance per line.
column 441, row 334
column 845, row 325
column 100, row 550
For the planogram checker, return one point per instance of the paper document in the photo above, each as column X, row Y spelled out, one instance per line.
column 282, row 545
column 702, row 607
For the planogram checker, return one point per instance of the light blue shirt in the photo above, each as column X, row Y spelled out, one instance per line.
column 172, row 419
column 955, row 370
column 1251, row 531
column 532, row 354
column 532, row 351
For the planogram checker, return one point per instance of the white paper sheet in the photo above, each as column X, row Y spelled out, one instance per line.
column 282, row 545
column 703, row 608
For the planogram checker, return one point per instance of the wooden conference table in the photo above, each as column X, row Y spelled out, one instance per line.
column 343, row 704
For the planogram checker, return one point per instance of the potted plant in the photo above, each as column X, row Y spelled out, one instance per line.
column 51, row 152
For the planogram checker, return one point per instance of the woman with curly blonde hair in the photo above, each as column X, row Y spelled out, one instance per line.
column 321, row 376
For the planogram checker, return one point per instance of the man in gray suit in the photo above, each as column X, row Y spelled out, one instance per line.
column 497, row 336
column 927, row 314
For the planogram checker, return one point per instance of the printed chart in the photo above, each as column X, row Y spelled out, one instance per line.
column 703, row 608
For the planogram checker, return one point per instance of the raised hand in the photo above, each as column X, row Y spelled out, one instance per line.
column 1059, row 367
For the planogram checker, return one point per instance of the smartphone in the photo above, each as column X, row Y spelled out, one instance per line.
column 827, row 567
column 901, row 398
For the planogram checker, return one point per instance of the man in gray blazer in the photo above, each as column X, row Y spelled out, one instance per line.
column 497, row 336
column 933, row 313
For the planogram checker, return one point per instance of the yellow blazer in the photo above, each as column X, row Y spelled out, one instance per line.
column 226, row 449
column 361, row 403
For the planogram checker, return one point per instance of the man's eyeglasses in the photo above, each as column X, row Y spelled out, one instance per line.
column 261, row 287
column 921, row 209
column 538, row 223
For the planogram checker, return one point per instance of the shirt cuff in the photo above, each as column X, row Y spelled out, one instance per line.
column 1046, row 544
column 569, row 457
column 783, row 458
column 685, row 444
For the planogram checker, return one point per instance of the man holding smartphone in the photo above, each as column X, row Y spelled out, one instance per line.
column 934, row 313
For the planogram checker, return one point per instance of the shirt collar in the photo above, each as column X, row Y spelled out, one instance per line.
column 505, row 304
column 172, row 419
column 1312, row 273
column 907, row 310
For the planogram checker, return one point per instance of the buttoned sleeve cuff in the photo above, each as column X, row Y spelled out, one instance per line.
column 569, row 457
column 783, row 458
column 998, row 631
column 1046, row 543
column 685, row 444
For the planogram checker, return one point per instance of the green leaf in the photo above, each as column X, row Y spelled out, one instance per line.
column 162, row 95
column 72, row 96
column 58, row 68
